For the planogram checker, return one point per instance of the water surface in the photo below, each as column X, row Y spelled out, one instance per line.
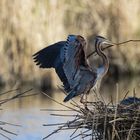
column 26, row 112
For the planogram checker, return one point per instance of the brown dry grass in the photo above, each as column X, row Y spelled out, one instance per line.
column 100, row 120
column 27, row 26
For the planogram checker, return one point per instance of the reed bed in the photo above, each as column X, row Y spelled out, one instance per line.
column 50, row 21
column 16, row 94
column 100, row 121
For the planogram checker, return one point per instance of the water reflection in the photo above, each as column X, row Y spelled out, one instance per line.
column 26, row 112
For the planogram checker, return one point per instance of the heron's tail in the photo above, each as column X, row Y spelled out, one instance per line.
column 70, row 96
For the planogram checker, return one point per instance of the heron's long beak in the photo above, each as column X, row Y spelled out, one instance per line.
column 107, row 44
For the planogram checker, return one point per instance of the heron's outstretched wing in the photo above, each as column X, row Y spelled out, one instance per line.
column 51, row 57
column 74, row 56
column 47, row 57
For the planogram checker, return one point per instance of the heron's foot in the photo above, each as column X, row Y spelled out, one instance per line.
column 84, row 102
column 85, row 106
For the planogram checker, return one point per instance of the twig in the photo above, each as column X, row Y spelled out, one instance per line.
column 33, row 94
column 63, row 91
column 60, row 103
column 9, row 91
column 54, row 110
column 55, row 124
column 117, row 44
column 10, row 124
column 99, row 119
column 55, row 131
column 60, row 115
column 1, row 128
column 5, row 136
column 79, row 134
column 14, row 97
column 105, row 124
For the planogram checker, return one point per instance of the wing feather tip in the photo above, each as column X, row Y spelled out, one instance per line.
column 37, row 53
column 35, row 60
column 66, row 100
column 69, row 96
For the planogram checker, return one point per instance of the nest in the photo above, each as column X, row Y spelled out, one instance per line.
column 101, row 121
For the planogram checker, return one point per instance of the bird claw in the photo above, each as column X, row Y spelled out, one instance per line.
column 84, row 101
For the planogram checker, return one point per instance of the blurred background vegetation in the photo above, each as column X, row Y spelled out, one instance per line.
column 27, row 26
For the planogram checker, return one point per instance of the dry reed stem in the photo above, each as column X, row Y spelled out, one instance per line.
column 99, row 120
column 3, row 101
column 115, row 44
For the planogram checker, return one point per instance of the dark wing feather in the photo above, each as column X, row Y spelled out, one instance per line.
column 74, row 57
column 47, row 57
column 70, row 67
column 52, row 56
column 60, row 72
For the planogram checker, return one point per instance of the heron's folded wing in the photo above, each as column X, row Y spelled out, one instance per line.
column 47, row 57
column 70, row 67
column 73, row 58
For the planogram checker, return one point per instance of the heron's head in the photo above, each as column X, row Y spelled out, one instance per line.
column 76, row 41
column 102, row 42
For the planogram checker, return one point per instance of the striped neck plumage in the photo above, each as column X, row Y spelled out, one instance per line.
column 105, row 66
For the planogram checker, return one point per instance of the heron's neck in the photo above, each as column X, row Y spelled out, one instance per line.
column 105, row 65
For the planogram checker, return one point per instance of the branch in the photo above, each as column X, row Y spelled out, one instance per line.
column 116, row 44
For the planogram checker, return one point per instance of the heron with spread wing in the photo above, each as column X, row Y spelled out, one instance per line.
column 70, row 63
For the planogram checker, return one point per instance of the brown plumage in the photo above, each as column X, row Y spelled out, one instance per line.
column 70, row 63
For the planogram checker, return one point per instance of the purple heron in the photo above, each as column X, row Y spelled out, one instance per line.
column 70, row 63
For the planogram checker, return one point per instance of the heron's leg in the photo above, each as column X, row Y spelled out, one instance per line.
column 83, row 100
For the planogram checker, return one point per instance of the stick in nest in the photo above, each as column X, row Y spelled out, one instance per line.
column 100, row 121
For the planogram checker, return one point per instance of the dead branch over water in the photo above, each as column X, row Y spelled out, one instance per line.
column 101, row 121
column 16, row 95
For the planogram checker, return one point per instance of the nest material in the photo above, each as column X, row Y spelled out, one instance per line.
column 99, row 121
